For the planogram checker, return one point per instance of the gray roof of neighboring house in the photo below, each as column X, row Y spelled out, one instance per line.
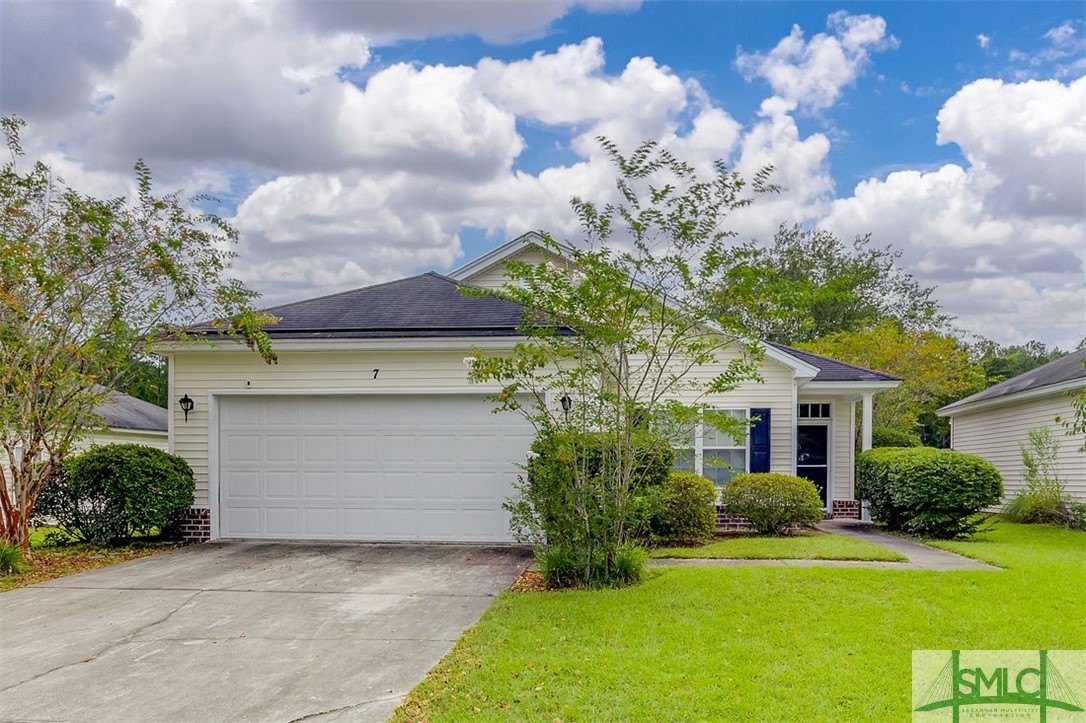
column 427, row 305
column 1064, row 369
column 831, row 370
column 121, row 411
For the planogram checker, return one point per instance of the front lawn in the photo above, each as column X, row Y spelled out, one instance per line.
column 806, row 546
column 48, row 562
column 758, row 643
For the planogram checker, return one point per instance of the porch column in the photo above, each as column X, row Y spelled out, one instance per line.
column 865, row 423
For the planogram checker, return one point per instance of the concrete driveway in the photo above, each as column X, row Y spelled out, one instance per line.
column 243, row 631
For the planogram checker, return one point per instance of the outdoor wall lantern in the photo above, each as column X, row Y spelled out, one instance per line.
column 567, row 404
column 187, row 405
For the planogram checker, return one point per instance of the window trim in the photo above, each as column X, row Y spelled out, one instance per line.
column 699, row 442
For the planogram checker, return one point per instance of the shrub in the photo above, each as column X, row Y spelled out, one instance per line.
column 109, row 494
column 1076, row 516
column 567, row 506
column 1044, row 499
column 11, row 559
column 772, row 502
column 559, row 566
column 925, row 491
column 681, row 511
column 630, row 564
column 889, row 437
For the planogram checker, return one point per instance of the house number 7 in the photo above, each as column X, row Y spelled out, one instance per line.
column 375, row 373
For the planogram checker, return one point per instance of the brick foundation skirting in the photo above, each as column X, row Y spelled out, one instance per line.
column 196, row 524
column 849, row 509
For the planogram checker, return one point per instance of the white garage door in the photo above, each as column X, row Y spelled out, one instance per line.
column 389, row 468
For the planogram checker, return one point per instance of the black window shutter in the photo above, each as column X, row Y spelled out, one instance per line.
column 759, row 441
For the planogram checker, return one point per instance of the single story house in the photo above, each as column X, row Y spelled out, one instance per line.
column 367, row 428
column 994, row 422
column 129, row 420
column 126, row 420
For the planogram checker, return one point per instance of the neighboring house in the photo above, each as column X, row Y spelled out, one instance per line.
column 367, row 428
column 127, row 420
column 130, row 421
column 994, row 422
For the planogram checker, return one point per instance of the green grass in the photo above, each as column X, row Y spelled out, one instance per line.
column 759, row 643
column 807, row 546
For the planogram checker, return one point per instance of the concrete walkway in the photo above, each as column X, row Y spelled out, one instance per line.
column 920, row 556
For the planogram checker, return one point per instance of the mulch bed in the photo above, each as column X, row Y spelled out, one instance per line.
column 50, row 563
column 529, row 581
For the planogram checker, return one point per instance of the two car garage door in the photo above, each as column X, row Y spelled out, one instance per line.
column 388, row 467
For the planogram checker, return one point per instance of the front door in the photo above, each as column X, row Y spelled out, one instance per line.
column 812, row 456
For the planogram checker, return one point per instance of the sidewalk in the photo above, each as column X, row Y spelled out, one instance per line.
column 921, row 557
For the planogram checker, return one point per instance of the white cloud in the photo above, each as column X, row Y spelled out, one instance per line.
column 813, row 73
column 349, row 172
column 1005, row 237
column 1062, row 34
column 983, row 40
column 53, row 53
column 389, row 21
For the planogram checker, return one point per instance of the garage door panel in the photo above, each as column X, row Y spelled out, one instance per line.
column 396, row 485
column 321, row 522
column 320, row 485
column 282, row 521
column 318, row 412
column 359, row 448
column 321, row 448
column 351, row 414
column 242, row 448
column 281, row 485
column 244, row 521
column 280, row 448
column 275, row 412
column 394, row 467
column 241, row 412
column 359, row 485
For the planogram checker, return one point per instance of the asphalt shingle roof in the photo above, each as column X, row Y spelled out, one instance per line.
column 432, row 305
column 427, row 305
column 1062, row 370
column 831, row 370
column 121, row 411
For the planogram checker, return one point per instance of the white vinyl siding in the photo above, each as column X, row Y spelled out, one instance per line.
column 842, row 450
column 996, row 432
column 158, row 440
column 493, row 277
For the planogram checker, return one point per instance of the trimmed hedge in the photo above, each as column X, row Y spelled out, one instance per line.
column 682, row 511
column 111, row 493
column 926, row 491
column 774, row 503
column 889, row 437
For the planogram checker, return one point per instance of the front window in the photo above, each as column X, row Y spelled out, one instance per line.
column 713, row 453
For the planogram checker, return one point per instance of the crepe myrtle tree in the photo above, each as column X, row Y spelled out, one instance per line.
column 623, row 324
column 85, row 286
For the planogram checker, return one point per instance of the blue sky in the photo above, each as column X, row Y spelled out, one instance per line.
column 356, row 142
